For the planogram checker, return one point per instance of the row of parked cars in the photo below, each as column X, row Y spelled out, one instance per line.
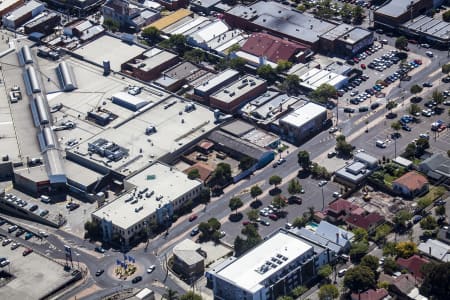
column 13, row 199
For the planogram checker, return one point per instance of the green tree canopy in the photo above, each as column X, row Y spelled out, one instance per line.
column 401, row 42
column 195, row 56
column 291, row 84
column 111, row 24
column 446, row 16
column 275, row 180
column 278, row 201
column 358, row 14
column 283, row 65
column 401, row 217
column 390, row 266
column 446, row 68
column 235, row 204
column 414, row 109
column 252, row 215
column 323, row 93
column 437, row 96
column 221, row 175
column 415, row 89
column 437, row 281
column 325, row 271
column 303, row 159
column 170, row 295
column 193, row 174
column 371, row 262
column 191, row 296
column 151, row 34
column 390, row 249
column 328, row 292
column 428, row 223
column 255, row 191
column 268, row 73
column 358, row 250
column 391, row 105
column 359, row 278
column 294, row 187
column 246, row 162
column 396, row 125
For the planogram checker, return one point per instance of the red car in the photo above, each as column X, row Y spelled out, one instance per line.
column 418, row 61
column 245, row 223
column 363, row 66
column 192, row 218
column 355, row 59
column 273, row 217
column 27, row 251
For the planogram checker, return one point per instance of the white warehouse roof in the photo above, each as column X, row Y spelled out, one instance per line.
column 128, row 101
column 243, row 271
column 304, row 114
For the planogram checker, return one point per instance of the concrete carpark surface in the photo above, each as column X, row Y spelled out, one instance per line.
column 34, row 275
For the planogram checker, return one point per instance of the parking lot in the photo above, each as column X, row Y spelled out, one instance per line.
column 33, row 276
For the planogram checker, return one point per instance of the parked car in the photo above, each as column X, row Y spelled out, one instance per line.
column 12, row 228
column 19, row 232
column 151, row 269
column 192, row 218
column 29, row 235
column 322, row 183
column 6, row 242
column 136, row 279
column 99, row 249
column 342, row 272
column 99, row 272
column 27, row 251
column 14, row 246
column 195, row 231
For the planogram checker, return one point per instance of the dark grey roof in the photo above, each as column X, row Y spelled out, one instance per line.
column 429, row 26
column 238, row 128
column 277, row 17
column 236, row 144
column 316, row 239
column 437, row 163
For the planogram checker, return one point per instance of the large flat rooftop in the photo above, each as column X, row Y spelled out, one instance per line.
column 238, row 88
column 165, row 181
column 243, row 271
column 304, row 114
column 109, row 48
column 174, row 129
column 35, row 275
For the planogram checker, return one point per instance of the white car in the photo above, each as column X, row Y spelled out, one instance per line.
column 322, row 183
column 151, row 269
column 429, row 54
column 342, row 272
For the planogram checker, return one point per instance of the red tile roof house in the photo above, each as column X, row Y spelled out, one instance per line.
column 274, row 48
column 413, row 265
column 369, row 221
column 339, row 209
column 378, row 294
column 410, row 185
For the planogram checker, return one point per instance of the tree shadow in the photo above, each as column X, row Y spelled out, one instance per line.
column 302, row 174
column 256, row 204
column 275, row 191
column 235, row 217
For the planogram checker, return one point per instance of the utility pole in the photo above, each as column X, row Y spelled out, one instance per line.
column 323, row 200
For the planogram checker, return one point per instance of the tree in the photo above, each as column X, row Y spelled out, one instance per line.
column 304, row 160
column 446, row 68
column 414, row 109
column 415, row 89
column 205, row 195
column 237, row 63
column 391, row 105
column 437, row 96
column 446, row 16
column 151, row 34
column 358, row 250
column 278, row 201
column 428, row 223
column 255, row 191
column 177, row 42
column 170, row 294
column 294, row 187
column 406, row 249
column 285, row 298
column 275, row 180
column 361, row 235
column 437, row 281
column 325, row 271
column 191, row 296
column 410, row 151
column 371, row 262
column 440, row 210
column 252, row 215
column 195, row 56
column 323, row 93
column 396, row 125
column 390, row 249
column 111, row 24
column 193, row 174
column 342, row 146
column 358, row 14
column 328, row 292
column 235, row 204
column 300, row 222
column 401, row 217
column 390, row 266
column 246, row 162
column 234, row 48
column 298, row 291
column 268, row 73
column 346, row 12
column 381, row 232
column 253, row 238
column 359, row 278
column 283, row 65
column 401, row 42
column 291, row 84
column 221, row 175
